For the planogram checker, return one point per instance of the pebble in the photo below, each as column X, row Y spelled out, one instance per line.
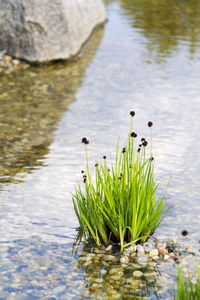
column 109, row 257
column 140, row 250
column 147, row 247
column 142, row 260
column 166, row 257
column 109, row 248
column 137, row 274
column 162, row 251
column 124, row 260
column 190, row 250
column 153, row 252
column 131, row 249
column 59, row 289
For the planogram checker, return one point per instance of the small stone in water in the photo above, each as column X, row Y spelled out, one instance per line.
column 124, row 260
column 59, row 289
column 147, row 247
column 166, row 257
column 137, row 274
column 153, row 252
column 142, row 260
column 162, row 251
column 109, row 248
column 131, row 249
column 140, row 250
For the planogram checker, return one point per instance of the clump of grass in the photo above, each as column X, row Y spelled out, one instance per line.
column 120, row 205
column 188, row 287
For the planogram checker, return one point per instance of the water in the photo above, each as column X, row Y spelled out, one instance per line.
column 146, row 58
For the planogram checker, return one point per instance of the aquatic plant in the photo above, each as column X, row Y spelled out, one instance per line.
column 121, row 205
column 188, row 287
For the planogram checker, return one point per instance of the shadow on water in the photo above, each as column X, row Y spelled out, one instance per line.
column 165, row 23
column 32, row 102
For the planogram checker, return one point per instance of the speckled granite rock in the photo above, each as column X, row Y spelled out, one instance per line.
column 43, row 30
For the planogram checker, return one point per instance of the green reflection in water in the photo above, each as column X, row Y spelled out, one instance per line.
column 165, row 23
column 32, row 102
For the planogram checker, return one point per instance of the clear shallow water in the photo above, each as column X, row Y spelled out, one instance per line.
column 136, row 62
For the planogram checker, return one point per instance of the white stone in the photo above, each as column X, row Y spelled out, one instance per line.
column 153, row 252
column 140, row 250
column 147, row 247
column 43, row 30
column 124, row 260
column 137, row 274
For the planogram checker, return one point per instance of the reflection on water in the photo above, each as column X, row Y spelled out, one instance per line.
column 165, row 23
column 31, row 105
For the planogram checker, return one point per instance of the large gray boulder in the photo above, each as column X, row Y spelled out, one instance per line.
column 45, row 30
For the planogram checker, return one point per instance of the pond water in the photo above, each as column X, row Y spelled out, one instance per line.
column 146, row 58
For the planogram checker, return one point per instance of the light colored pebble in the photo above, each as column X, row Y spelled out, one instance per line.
column 153, row 252
column 110, row 258
column 140, row 250
column 142, row 260
column 160, row 244
column 190, row 250
column 147, row 247
column 59, row 289
column 137, row 274
column 124, row 260
column 109, row 248
column 166, row 257
column 172, row 241
column 156, row 257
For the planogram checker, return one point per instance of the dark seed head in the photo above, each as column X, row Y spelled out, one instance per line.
column 82, row 171
column 151, row 158
column 133, row 134
column 84, row 180
column 132, row 113
column 138, row 150
column 108, row 170
column 85, row 176
column 145, row 143
column 84, row 140
column 184, row 232
column 96, row 165
column 140, row 145
column 150, row 124
column 124, row 150
column 142, row 139
column 104, row 157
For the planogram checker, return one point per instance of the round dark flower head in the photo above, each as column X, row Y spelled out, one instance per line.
column 124, row 150
column 85, row 141
column 138, row 150
column 151, row 158
column 82, row 172
column 104, row 157
column 132, row 113
column 145, row 143
column 96, row 165
column 142, row 139
column 133, row 134
column 184, row 232
column 150, row 124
